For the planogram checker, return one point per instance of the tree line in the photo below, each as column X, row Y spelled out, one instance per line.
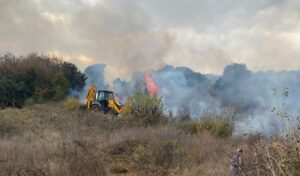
column 36, row 78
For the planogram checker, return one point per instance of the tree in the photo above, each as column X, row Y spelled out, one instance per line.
column 234, row 86
column 29, row 80
column 12, row 90
column 75, row 78
column 60, row 86
column 39, row 77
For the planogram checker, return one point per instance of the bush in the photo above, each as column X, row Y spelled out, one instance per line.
column 13, row 121
column 142, row 156
column 75, row 78
column 169, row 153
column 12, row 90
column 148, row 108
column 290, row 160
column 60, row 85
column 211, row 123
column 29, row 102
column 165, row 153
column 72, row 104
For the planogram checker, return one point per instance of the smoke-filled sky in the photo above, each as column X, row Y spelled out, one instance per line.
column 135, row 35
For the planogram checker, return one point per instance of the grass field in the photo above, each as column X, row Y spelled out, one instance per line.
column 60, row 139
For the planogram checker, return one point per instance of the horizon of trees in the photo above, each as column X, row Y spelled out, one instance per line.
column 36, row 78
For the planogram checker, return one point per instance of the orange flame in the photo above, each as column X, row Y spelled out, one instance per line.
column 151, row 86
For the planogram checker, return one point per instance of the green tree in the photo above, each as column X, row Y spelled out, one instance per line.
column 75, row 78
column 37, row 77
column 29, row 80
column 60, row 86
column 12, row 90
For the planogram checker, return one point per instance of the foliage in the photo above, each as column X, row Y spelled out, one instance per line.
column 290, row 157
column 165, row 153
column 39, row 77
column 29, row 102
column 168, row 153
column 48, row 139
column 149, row 108
column 29, row 80
column 60, row 86
column 12, row 90
column 13, row 121
column 72, row 104
column 234, row 87
column 212, row 123
column 74, row 76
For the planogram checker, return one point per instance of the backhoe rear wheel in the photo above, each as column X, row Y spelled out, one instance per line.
column 96, row 109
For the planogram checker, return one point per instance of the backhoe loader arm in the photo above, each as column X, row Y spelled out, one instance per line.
column 91, row 96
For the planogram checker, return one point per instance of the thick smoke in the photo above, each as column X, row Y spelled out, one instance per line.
column 259, row 102
column 135, row 35
column 95, row 75
column 256, row 100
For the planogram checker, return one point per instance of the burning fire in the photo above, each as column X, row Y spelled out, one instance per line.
column 151, row 86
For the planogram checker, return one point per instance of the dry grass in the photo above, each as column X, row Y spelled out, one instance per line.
column 50, row 139
column 72, row 104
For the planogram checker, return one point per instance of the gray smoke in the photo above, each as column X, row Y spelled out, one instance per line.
column 135, row 35
column 261, row 102
column 95, row 75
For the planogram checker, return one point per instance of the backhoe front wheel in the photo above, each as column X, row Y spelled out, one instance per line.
column 112, row 112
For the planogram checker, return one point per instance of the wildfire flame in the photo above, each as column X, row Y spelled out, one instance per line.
column 151, row 86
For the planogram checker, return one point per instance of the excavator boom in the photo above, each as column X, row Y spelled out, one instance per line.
column 91, row 96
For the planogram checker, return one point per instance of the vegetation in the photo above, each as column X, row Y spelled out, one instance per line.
column 37, row 78
column 50, row 139
column 147, row 108
column 210, row 122
column 59, row 138
column 72, row 104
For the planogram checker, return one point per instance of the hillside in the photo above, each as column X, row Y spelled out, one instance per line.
column 59, row 139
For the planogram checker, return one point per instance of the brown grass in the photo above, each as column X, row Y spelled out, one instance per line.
column 49, row 139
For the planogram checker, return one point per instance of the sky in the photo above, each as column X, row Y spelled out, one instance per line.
column 136, row 35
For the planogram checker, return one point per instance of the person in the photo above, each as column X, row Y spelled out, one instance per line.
column 236, row 163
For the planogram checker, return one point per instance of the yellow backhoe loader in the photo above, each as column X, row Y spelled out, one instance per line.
column 103, row 101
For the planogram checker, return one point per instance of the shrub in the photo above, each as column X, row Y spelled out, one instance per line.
column 60, row 85
column 142, row 156
column 72, row 104
column 13, row 121
column 290, row 160
column 148, row 108
column 12, row 90
column 169, row 153
column 212, row 123
column 164, row 153
column 75, row 78
column 29, row 102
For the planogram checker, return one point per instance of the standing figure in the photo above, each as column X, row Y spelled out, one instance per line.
column 236, row 163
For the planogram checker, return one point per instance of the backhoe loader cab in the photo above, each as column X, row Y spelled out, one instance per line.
column 102, row 97
column 103, row 101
